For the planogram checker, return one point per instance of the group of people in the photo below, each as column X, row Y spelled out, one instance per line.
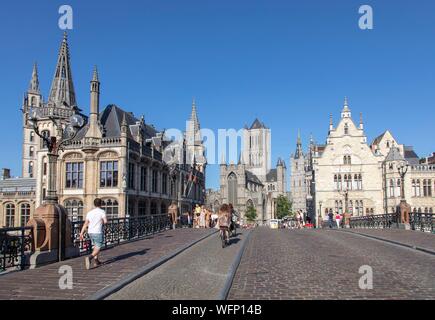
column 302, row 221
column 338, row 219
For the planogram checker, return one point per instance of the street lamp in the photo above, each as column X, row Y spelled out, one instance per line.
column 320, row 214
column 402, row 169
column 345, row 194
column 66, row 132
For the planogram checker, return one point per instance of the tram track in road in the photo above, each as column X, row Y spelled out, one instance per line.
column 204, row 271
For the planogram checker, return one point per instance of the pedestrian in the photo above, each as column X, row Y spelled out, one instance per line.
column 330, row 219
column 202, row 217
column 302, row 219
column 338, row 220
column 189, row 220
column 207, row 217
column 173, row 214
column 95, row 219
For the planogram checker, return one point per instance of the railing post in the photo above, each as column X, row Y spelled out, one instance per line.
column 22, row 245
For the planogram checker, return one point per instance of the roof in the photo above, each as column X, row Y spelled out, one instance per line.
column 257, row 124
column 252, row 177
column 394, row 155
column 18, row 184
column 378, row 138
column 272, row 176
column 411, row 156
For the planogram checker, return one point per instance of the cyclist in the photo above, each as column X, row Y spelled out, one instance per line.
column 224, row 222
column 231, row 220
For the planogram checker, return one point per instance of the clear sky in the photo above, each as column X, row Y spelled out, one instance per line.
column 289, row 63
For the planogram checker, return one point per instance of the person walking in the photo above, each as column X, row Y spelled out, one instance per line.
column 173, row 214
column 338, row 220
column 95, row 219
column 202, row 218
column 330, row 219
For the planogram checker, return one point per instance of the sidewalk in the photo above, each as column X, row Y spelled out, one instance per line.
column 118, row 263
column 407, row 237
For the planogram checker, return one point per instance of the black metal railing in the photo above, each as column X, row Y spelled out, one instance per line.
column 15, row 244
column 422, row 221
column 418, row 221
column 121, row 230
column 379, row 221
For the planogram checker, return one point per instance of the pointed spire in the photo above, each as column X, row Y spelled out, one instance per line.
column 345, row 113
column 241, row 159
column 299, row 141
column 34, row 82
column 299, row 151
column 62, row 87
column 194, row 116
column 95, row 75
column 361, row 122
column 223, row 160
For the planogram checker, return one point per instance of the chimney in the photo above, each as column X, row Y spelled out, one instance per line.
column 6, row 174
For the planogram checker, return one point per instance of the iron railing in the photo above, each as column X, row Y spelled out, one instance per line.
column 121, row 230
column 15, row 244
column 418, row 221
column 422, row 221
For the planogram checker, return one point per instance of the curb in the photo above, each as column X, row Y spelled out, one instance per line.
column 401, row 244
column 232, row 272
column 103, row 293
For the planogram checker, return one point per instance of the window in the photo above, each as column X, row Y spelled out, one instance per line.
column 346, row 129
column 391, row 195
column 31, row 152
column 45, row 134
column 32, row 136
column 25, row 214
column 155, row 181
column 142, row 208
column 347, row 160
column 31, row 169
column 131, row 168
column 111, row 208
column 232, row 189
column 74, row 175
column 173, row 183
column 163, row 208
column 108, row 174
column 44, row 168
column 339, row 182
column 427, row 188
column 164, row 184
column 10, row 215
column 414, row 188
column 74, row 209
column 143, row 178
column 398, row 188
column 153, row 208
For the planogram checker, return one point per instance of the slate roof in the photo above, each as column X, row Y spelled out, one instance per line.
column 378, row 138
column 252, row 177
column 272, row 176
column 18, row 184
column 257, row 124
column 411, row 156
column 394, row 155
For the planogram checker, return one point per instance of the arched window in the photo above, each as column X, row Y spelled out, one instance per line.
column 31, row 152
column 111, row 207
column 25, row 214
column 74, row 209
column 346, row 129
column 33, row 101
column 391, row 188
column 339, row 182
column 418, row 188
column 414, row 188
column 10, row 215
column 32, row 136
column 232, row 188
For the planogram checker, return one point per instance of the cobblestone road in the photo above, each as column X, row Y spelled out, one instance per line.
column 199, row 273
column 324, row 264
column 118, row 263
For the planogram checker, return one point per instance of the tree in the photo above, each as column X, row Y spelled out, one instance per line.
column 283, row 207
column 251, row 213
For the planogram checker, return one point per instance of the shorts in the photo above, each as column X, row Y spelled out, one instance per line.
column 96, row 239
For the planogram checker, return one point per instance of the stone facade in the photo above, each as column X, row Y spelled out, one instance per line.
column 115, row 156
column 252, row 182
column 367, row 173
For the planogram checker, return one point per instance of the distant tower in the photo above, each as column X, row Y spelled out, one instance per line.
column 257, row 149
column 194, row 143
column 32, row 99
column 298, row 188
column 94, row 127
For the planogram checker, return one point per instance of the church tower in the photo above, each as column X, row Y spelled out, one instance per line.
column 257, row 149
column 194, row 144
column 298, row 187
column 32, row 99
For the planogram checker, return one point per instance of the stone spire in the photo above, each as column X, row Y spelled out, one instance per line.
column 331, row 123
column 345, row 113
column 299, row 151
column 194, row 116
column 34, row 82
column 361, row 122
column 94, row 128
column 62, row 87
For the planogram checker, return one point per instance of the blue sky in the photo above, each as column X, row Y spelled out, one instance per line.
column 289, row 63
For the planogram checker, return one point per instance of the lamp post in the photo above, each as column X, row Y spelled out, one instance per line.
column 320, row 214
column 66, row 132
column 345, row 194
column 402, row 169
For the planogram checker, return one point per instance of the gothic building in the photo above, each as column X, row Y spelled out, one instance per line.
column 367, row 173
column 115, row 156
column 252, row 182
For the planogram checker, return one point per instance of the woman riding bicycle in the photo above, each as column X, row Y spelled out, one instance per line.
column 224, row 216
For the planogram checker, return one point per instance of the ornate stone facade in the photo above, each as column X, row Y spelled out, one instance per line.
column 367, row 173
column 115, row 156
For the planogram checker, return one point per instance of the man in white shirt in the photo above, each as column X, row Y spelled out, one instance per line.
column 95, row 219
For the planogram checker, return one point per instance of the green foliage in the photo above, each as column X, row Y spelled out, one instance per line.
column 251, row 214
column 283, row 207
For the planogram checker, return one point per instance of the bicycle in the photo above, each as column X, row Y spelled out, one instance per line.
column 224, row 236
